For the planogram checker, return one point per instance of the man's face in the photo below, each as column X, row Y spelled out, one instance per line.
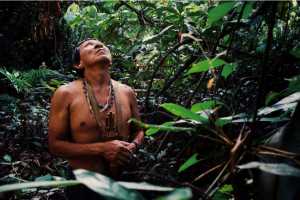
column 94, row 52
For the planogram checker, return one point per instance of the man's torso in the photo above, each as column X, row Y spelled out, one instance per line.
column 83, row 126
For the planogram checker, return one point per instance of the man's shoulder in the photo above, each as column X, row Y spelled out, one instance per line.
column 69, row 89
column 124, row 88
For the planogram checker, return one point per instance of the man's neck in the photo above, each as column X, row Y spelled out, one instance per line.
column 98, row 77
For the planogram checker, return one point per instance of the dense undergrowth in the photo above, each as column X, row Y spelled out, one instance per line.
column 220, row 78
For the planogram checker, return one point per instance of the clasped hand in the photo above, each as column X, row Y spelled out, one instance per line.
column 118, row 153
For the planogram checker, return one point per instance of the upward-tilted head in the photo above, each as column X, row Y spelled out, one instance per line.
column 89, row 52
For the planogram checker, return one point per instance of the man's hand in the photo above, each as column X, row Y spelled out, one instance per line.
column 132, row 147
column 117, row 153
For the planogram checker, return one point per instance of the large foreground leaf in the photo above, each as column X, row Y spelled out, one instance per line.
column 278, row 168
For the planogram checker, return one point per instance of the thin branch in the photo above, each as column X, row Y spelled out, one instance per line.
column 263, row 69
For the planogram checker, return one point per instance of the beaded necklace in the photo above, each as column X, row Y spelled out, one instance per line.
column 103, row 108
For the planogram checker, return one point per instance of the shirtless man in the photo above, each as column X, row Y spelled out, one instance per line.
column 73, row 131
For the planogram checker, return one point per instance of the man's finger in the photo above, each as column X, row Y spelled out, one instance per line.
column 124, row 143
column 125, row 149
column 123, row 160
column 126, row 155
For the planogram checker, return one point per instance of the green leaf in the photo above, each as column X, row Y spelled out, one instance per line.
column 7, row 158
column 163, row 128
column 184, row 113
column 181, row 193
column 219, row 11
column 92, row 11
column 193, row 160
column 228, row 69
column 197, row 13
column 275, row 107
column 271, row 97
column 148, row 4
column 280, row 169
column 155, row 130
column 169, row 9
column 155, row 38
column 205, row 105
column 73, row 8
column 204, row 65
column 222, row 122
column 296, row 51
column 69, row 16
column 47, row 177
column 127, row 63
column 294, row 85
column 247, row 10
column 11, row 187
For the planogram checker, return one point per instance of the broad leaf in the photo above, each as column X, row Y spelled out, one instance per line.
column 228, row 69
column 204, row 65
column 184, row 113
column 278, row 168
column 271, row 97
column 205, row 105
column 193, row 160
column 275, row 107
column 169, row 9
column 247, row 10
column 181, row 193
column 219, row 11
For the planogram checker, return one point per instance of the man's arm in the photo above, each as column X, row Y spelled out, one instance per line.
column 136, row 131
column 59, row 127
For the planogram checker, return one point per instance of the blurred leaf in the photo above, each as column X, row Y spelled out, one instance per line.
column 219, row 11
column 181, row 193
column 247, row 10
column 275, row 107
column 127, row 63
column 168, row 9
column 210, row 83
column 278, row 168
column 17, row 186
column 222, row 122
column 296, row 51
column 271, row 97
column 7, row 158
column 184, row 113
column 228, row 69
column 294, row 85
column 193, row 160
column 204, row 65
column 47, row 177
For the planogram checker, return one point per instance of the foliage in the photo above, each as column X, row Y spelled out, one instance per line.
column 222, row 75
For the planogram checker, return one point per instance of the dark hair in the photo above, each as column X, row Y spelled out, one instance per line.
column 76, row 57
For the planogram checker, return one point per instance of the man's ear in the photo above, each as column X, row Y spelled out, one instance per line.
column 78, row 66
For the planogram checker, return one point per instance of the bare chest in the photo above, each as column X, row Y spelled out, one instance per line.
column 83, row 126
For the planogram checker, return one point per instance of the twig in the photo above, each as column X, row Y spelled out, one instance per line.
column 214, row 168
column 216, row 140
column 262, row 73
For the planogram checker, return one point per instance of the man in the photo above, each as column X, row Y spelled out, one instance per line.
column 73, row 130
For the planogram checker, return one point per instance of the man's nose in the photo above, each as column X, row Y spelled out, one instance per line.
column 99, row 45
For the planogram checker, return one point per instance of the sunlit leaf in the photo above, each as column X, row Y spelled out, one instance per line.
column 219, row 11
column 166, row 3
column 204, row 65
column 155, row 130
column 184, row 113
